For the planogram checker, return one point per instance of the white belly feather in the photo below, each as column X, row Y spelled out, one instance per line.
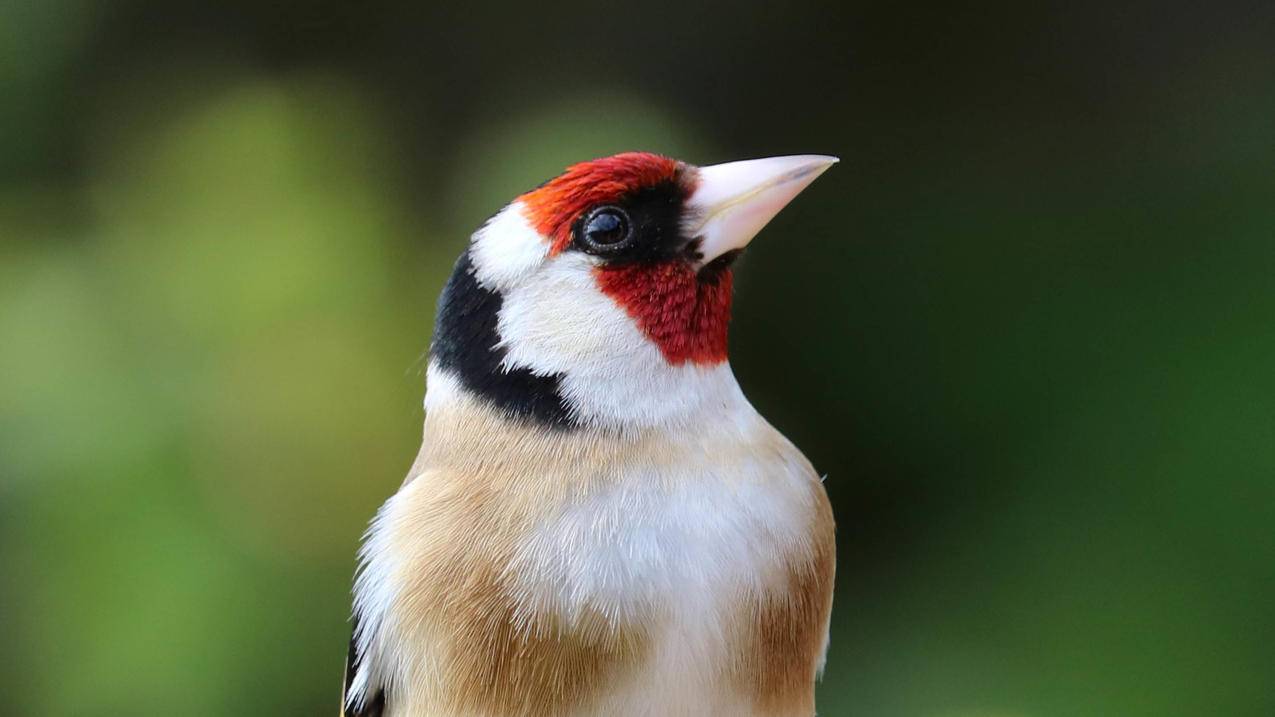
column 678, row 540
column 683, row 550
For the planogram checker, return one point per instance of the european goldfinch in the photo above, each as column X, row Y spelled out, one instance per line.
column 598, row 522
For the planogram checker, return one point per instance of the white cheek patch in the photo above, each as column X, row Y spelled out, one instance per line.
column 506, row 249
column 558, row 321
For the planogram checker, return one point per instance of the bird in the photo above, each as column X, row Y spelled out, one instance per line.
column 598, row 521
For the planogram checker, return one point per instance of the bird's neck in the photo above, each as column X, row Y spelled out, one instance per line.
column 660, row 398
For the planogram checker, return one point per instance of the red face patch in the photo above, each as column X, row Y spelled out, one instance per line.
column 684, row 315
column 553, row 207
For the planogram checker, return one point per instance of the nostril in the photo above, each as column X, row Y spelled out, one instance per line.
column 693, row 250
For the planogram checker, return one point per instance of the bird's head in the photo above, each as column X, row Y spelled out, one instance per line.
column 602, row 297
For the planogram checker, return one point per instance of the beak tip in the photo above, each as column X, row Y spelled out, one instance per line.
column 816, row 164
column 735, row 200
column 827, row 160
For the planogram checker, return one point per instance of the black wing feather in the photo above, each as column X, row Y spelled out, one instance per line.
column 374, row 707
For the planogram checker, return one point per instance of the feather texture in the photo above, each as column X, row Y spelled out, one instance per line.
column 534, row 573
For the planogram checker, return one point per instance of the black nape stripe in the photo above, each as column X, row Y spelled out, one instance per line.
column 465, row 341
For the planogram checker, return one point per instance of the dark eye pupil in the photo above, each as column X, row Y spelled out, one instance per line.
column 606, row 227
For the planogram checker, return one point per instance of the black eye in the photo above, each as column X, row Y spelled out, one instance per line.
column 605, row 229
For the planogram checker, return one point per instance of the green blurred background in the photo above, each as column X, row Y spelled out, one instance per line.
column 1027, row 327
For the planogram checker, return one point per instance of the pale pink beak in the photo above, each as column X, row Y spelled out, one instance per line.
column 733, row 201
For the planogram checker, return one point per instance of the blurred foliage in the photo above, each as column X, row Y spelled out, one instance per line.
column 1025, row 327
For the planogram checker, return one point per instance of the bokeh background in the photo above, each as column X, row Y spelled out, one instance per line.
column 1027, row 327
